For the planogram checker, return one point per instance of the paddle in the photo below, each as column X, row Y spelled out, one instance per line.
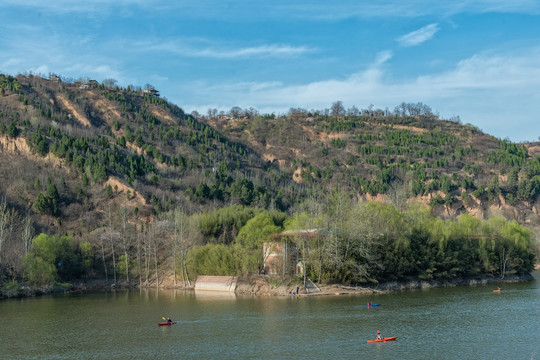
column 167, row 320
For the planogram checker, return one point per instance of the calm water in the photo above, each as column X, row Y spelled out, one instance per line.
column 451, row 323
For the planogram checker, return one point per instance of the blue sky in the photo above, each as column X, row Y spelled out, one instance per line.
column 479, row 60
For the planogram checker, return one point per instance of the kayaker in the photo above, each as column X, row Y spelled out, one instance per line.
column 369, row 303
column 169, row 320
column 379, row 337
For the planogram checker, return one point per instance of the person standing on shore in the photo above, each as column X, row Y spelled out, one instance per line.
column 297, row 289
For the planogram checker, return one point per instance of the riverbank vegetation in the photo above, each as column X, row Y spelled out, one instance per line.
column 356, row 243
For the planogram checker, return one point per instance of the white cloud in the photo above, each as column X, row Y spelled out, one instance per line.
column 72, row 6
column 497, row 92
column 401, row 9
column 264, row 50
column 305, row 9
column 186, row 48
column 383, row 57
column 418, row 36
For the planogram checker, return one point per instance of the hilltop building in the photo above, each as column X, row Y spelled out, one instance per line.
column 151, row 92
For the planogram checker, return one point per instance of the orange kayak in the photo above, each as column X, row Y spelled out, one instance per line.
column 383, row 339
column 498, row 290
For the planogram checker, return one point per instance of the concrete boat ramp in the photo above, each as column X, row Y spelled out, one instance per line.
column 216, row 283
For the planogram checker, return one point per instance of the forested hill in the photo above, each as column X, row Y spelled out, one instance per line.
column 71, row 149
column 116, row 179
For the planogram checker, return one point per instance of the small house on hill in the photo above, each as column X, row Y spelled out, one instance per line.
column 88, row 84
column 151, row 92
column 280, row 254
column 54, row 77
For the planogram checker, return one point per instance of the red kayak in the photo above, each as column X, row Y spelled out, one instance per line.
column 383, row 339
column 166, row 323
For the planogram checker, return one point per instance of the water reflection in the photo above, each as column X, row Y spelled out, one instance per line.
column 207, row 295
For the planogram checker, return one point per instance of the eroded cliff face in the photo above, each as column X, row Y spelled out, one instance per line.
column 14, row 145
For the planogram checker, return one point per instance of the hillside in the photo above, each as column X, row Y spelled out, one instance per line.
column 153, row 157
column 87, row 160
column 453, row 168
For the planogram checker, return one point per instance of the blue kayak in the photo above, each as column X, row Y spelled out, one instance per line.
column 370, row 305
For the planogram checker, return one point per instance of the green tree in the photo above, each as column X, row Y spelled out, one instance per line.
column 214, row 259
column 38, row 271
column 203, row 191
column 84, row 180
column 243, row 189
column 256, row 230
column 41, row 205
column 109, row 191
column 139, row 140
column 87, row 254
column 128, row 133
column 52, row 257
column 12, row 130
column 52, row 192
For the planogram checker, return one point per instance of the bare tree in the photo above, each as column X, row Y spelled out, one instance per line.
column 145, row 231
column 103, row 238
column 7, row 221
column 124, row 217
column 397, row 195
column 297, row 112
column 212, row 113
column 112, row 236
column 27, row 233
column 235, row 111
column 179, row 225
column 251, row 112
column 109, row 83
column 353, row 111
column 139, row 264
column 155, row 237
column 337, row 109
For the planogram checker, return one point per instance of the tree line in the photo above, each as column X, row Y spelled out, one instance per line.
column 356, row 242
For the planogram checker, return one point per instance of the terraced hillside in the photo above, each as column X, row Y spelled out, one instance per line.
column 71, row 150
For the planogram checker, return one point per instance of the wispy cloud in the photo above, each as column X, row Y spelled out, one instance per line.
column 402, row 9
column 217, row 52
column 307, row 9
column 72, row 6
column 263, row 50
column 418, row 36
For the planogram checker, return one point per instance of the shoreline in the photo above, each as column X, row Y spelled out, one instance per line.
column 261, row 286
column 258, row 289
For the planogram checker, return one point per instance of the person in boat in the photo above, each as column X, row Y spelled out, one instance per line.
column 169, row 320
column 379, row 337
column 369, row 303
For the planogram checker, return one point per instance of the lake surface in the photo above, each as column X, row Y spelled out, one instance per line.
column 448, row 323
